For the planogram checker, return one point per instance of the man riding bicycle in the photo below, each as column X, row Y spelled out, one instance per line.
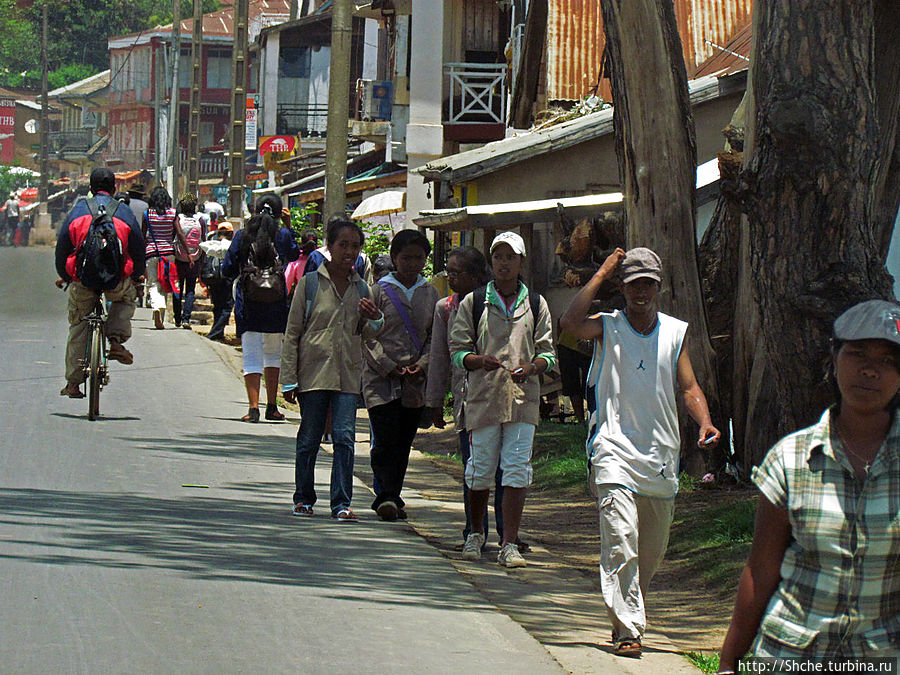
column 83, row 299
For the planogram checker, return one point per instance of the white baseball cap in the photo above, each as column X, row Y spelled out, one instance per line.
column 516, row 243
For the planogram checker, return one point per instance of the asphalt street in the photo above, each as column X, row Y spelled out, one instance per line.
column 111, row 562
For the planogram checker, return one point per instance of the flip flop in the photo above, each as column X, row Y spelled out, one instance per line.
column 345, row 516
column 628, row 647
column 302, row 510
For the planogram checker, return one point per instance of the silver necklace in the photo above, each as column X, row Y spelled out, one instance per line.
column 867, row 463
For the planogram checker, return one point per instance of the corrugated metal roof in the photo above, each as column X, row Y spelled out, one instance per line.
column 83, row 87
column 575, row 40
column 216, row 25
column 466, row 166
column 729, row 58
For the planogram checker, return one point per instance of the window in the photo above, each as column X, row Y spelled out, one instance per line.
column 184, row 69
column 218, row 69
column 205, row 138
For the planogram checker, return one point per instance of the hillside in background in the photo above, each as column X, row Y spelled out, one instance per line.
column 77, row 35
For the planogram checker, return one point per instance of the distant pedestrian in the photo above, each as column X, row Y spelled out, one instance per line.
column 187, row 259
column 260, row 325
column 397, row 367
column 382, row 266
column 159, row 232
column 217, row 285
column 634, row 443
column 503, row 337
column 822, row 581
column 12, row 218
column 309, row 240
column 136, row 201
column 322, row 364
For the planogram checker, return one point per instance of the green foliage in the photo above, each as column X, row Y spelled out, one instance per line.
column 378, row 239
column 302, row 219
column 9, row 182
column 708, row 663
column 68, row 74
column 79, row 31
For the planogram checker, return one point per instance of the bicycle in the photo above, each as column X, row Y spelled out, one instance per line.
column 95, row 363
column 96, row 357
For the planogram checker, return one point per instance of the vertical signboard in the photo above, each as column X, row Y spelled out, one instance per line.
column 250, row 126
column 7, row 130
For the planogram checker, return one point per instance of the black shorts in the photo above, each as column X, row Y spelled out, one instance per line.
column 573, row 370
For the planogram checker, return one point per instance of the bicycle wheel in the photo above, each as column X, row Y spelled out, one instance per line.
column 94, row 374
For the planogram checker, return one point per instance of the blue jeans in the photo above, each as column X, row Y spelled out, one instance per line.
column 464, row 450
column 223, row 302
column 313, row 410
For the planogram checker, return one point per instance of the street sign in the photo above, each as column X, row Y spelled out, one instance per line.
column 277, row 144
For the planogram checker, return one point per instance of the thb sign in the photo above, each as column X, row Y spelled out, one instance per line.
column 277, row 144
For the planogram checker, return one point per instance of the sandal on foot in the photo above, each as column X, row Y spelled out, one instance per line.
column 345, row 516
column 628, row 647
column 302, row 510
column 251, row 416
column 72, row 391
column 273, row 414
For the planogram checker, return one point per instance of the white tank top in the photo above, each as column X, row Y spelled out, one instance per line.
column 634, row 439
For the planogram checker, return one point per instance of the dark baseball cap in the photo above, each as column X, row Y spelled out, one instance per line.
column 870, row 320
column 640, row 262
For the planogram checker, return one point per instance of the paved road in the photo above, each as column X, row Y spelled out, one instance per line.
column 109, row 564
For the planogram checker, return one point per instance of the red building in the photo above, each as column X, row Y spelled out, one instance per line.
column 141, row 85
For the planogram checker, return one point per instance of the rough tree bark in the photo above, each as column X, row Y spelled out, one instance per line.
column 657, row 157
column 813, row 190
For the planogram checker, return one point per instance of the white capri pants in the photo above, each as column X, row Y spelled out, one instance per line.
column 261, row 350
column 507, row 444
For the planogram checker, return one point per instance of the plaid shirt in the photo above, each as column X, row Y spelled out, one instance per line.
column 840, row 578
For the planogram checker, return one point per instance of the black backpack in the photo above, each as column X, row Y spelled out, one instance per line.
column 210, row 270
column 100, row 260
column 263, row 284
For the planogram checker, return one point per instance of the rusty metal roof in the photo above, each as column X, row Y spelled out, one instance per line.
column 216, row 25
column 732, row 57
column 575, row 40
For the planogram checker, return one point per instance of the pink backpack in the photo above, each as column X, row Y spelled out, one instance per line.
column 193, row 232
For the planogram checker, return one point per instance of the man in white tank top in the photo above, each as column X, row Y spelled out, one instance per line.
column 640, row 367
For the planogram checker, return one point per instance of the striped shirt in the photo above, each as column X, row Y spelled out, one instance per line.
column 160, row 232
column 840, row 577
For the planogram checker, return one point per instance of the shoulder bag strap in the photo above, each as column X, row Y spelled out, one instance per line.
column 404, row 316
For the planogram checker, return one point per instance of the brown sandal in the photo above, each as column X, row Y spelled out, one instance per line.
column 628, row 647
column 251, row 416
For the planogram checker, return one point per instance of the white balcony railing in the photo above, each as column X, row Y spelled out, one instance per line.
column 477, row 93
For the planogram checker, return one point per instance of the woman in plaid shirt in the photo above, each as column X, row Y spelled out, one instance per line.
column 823, row 577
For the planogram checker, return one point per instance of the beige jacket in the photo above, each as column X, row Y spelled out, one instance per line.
column 492, row 398
column 395, row 348
column 327, row 353
column 441, row 372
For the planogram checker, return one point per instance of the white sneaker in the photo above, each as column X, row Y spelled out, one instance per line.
column 509, row 556
column 472, row 548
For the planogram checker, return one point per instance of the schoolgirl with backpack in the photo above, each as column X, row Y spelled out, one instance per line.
column 256, row 260
column 322, row 361
column 188, row 259
column 396, row 367
column 160, row 233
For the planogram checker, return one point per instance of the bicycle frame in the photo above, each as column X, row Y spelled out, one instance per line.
column 95, row 362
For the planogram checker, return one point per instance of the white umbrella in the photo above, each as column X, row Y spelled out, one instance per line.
column 382, row 204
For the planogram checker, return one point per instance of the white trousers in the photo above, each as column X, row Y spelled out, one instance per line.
column 634, row 533
column 157, row 297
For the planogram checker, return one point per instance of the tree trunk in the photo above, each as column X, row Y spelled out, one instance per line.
column 657, row 165
column 813, row 241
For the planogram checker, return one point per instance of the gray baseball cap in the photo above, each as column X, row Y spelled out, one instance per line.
column 640, row 262
column 870, row 320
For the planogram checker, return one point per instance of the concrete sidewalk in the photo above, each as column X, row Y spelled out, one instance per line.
column 557, row 605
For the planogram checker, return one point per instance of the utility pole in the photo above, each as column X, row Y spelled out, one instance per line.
column 173, row 148
column 194, row 133
column 42, row 190
column 238, row 139
column 338, row 110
